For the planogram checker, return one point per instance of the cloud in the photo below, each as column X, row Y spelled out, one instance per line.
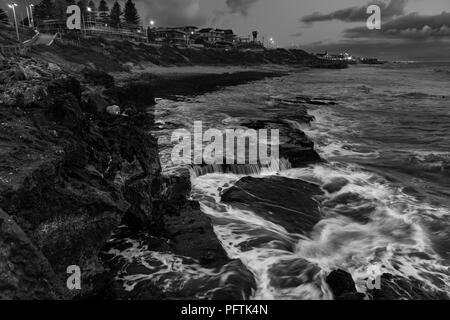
column 297, row 34
column 240, row 6
column 389, row 9
column 172, row 12
column 413, row 26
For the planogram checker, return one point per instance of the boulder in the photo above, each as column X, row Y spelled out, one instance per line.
column 291, row 203
column 295, row 145
column 53, row 67
column 113, row 110
column 342, row 286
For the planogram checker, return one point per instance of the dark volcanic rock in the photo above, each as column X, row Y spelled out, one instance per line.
column 295, row 145
column 25, row 272
column 72, row 175
column 63, row 174
column 296, row 210
column 342, row 286
column 202, row 269
column 399, row 288
column 193, row 236
column 292, row 273
column 98, row 78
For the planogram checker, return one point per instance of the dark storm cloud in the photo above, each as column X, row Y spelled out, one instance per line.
column 240, row 6
column 172, row 12
column 412, row 26
column 356, row 14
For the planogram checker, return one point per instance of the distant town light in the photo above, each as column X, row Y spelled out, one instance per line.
column 152, row 23
column 89, row 9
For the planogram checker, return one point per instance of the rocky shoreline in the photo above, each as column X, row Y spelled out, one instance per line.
column 73, row 170
column 80, row 177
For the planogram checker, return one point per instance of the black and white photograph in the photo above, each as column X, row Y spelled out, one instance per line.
column 227, row 156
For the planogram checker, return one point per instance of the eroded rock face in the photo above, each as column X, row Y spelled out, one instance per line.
column 72, row 175
column 180, row 259
column 62, row 174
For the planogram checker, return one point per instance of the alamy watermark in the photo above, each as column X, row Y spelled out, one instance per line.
column 231, row 146
column 371, row 283
column 74, row 17
column 374, row 21
column 74, row 280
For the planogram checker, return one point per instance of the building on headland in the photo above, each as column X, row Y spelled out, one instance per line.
column 348, row 58
column 97, row 23
column 341, row 57
column 370, row 61
column 174, row 36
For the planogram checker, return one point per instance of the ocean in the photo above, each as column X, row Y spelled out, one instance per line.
column 386, row 135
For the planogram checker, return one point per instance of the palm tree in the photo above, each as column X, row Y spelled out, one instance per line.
column 103, row 9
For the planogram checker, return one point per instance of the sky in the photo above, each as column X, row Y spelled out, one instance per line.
column 410, row 29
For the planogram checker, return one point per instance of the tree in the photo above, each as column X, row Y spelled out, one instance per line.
column 103, row 9
column 130, row 13
column 83, row 5
column 103, row 6
column 3, row 16
column 115, row 15
column 60, row 9
column 45, row 10
column 91, row 5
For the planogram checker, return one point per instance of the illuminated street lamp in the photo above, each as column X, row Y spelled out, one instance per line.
column 272, row 42
column 12, row 6
column 151, row 25
column 89, row 9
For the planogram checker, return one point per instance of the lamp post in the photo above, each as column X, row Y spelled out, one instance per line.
column 28, row 13
column 12, row 6
column 28, row 16
column 151, row 24
column 89, row 9
column 31, row 14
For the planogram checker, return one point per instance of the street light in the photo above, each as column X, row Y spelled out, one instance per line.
column 12, row 6
column 28, row 16
column 272, row 42
column 89, row 9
